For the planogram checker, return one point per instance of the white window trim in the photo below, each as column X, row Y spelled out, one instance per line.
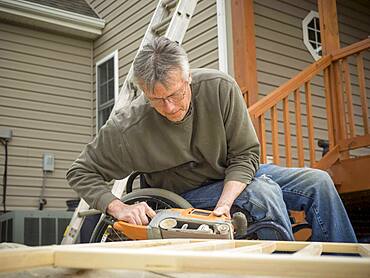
column 114, row 54
column 306, row 20
column 223, row 64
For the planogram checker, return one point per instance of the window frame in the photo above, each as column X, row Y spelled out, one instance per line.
column 114, row 56
column 309, row 17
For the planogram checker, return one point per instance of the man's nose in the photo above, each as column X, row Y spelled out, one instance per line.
column 168, row 106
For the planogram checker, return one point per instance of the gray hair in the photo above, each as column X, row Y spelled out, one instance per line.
column 157, row 60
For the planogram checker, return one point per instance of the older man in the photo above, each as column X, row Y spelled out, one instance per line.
column 191, row 133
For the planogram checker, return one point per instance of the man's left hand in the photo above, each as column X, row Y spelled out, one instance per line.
column 222, row 210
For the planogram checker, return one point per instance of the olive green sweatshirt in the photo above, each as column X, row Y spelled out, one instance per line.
column 216, row 140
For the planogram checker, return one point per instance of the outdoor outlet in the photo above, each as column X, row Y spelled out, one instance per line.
column 6, row 133
column 48, row 162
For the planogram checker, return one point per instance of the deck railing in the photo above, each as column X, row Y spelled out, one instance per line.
column 342, row 134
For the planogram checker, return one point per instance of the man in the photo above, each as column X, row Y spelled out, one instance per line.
column 191, row 133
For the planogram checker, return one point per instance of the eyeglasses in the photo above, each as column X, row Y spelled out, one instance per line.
column 174, row 98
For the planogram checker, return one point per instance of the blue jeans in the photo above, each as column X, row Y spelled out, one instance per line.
column 275, row 190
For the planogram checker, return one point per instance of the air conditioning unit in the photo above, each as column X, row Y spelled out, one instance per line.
column 34, row 228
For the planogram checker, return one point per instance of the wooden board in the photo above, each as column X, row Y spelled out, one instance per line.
column 228, row 257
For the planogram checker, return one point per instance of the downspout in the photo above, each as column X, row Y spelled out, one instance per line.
column 92, row 90
column 223, row 64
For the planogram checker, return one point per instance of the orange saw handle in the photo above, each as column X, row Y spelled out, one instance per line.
column 132, row 231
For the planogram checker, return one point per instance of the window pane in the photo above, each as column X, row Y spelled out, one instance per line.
column 111, row 89
column 102, row 73
column 311, row 24
column 110, row 66
column 102, row 94
column 318, row 34
column 317, row 22
column 104, row 115
column 105, row 93
column 311, row 35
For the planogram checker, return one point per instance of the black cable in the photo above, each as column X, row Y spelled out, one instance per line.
column 5, row 176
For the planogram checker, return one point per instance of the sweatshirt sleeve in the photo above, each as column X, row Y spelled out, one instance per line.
column 102, row 160
column 243, row 148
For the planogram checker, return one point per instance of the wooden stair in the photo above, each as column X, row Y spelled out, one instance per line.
column 352, row 174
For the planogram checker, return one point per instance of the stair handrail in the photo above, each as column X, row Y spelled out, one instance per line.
column 267, row 102
column 329, row 65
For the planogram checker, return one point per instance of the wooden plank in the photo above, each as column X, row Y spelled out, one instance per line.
column 364, row 250
column 137, row 243
column 340, row 101
column 244, row 47
column 329, row 159
column 225, row 263
column 16, row 259
column 275, row 139
column 329, row 110
column 288, row 145
column 333, row 97
column 328, row 26
column 350, row 170
column 361, row 81
column 314, row 249
column 288, row 246
column 355, row 143
column 263, row 137
column 310, row 124
column 212, row 262
column 348, row 91
column 199, row 246
column 298, row 121
column 242, row 261
column 351, row 49
column 262, row 248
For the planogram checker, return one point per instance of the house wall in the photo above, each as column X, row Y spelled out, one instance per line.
column 281, row 55
column 45, row 98
column 127, row 21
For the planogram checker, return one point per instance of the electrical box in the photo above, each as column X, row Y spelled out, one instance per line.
column 6, row 133
column 48, row 162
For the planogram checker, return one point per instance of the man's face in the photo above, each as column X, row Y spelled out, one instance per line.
column 172, row 101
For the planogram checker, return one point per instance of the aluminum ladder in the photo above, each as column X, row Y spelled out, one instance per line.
column 171, row 18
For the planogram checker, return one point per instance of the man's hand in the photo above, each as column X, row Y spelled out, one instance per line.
column 222, row 210
column 133, row 214
column 230, row 192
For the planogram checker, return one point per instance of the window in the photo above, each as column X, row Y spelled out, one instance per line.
column 311, row 34
column 106, row 87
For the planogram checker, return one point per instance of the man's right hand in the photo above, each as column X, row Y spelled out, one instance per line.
column 134, row 214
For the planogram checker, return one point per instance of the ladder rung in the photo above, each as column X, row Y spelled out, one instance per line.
column 89, row 212
column 161, row 26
